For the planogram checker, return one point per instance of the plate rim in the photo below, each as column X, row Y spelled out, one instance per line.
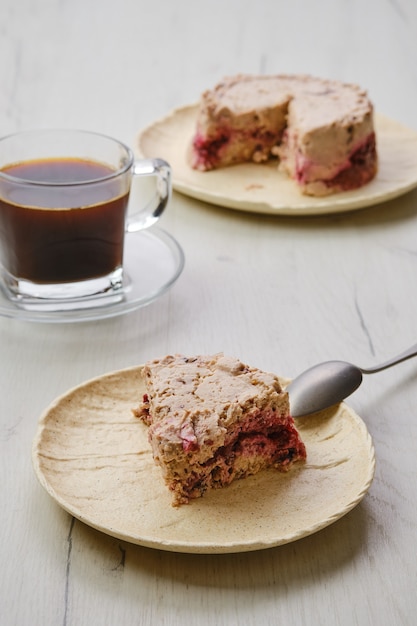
column 190, row 547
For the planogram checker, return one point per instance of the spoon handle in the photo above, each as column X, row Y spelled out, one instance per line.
column 407, row 354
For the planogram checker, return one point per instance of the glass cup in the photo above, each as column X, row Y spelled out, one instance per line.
column 64, row 198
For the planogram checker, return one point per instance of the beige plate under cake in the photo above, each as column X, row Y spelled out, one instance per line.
column 92, row 456
column 261, row 188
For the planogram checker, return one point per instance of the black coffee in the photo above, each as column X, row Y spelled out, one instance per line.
column 61, row 234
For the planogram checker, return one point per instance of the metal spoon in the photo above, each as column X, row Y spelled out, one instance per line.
column 328, row 383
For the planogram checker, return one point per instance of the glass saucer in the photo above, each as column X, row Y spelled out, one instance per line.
column 153, row 261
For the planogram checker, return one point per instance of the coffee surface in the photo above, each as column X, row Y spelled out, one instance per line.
column 55, row 171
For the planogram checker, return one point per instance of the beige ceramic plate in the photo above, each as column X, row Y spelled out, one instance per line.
column 262, row 189
column 92, row 456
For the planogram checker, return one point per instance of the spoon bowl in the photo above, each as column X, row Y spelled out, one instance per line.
column 328, row 383
column 323, row 386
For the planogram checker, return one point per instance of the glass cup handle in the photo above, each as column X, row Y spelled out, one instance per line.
column 153, row 210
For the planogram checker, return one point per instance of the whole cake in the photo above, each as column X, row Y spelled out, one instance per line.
column 213, row 419
column 322, row 131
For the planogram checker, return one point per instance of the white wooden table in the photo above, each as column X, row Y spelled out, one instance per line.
column 280, row 293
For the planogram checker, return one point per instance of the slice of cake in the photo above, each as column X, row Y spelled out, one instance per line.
column 322, row 131
column 212, row 420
